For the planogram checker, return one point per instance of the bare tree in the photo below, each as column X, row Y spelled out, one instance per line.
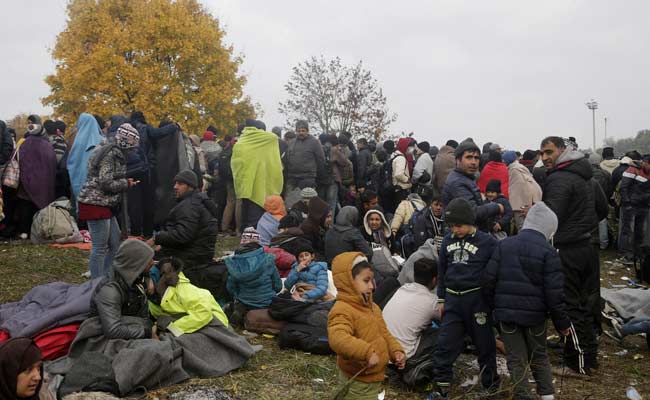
column 337, row 98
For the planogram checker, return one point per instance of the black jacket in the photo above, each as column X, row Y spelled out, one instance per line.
column 635, row 188
column 505, row 219
column 6, row 144
column 426, row 227
column 344, row 236
column 459, row 184
column 363, row 160
column 604, row 179
column 569, row 192
column 523, row 282
column 190, row 232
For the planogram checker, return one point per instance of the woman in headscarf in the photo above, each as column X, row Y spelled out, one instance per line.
column 87, row 138
column 21, row 370
column 102, row 194
column 267, row 226
column 37, row 162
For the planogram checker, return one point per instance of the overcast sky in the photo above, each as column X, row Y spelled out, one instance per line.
column 505, row 71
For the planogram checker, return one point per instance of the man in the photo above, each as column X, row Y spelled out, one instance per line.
column 364, row 161
column 604, row 180
column 571, row 195
column 609, row 163
column 190, row 231
column 304, row 160
column 400, row 177
column 635, row 203
column 444, row 163
column 461, row 183
column 423, row 166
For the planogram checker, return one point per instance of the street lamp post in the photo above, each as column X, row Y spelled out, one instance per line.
column 592, row 105
column 605, row 139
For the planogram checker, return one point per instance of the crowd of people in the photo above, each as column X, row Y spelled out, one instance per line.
column 418, row 247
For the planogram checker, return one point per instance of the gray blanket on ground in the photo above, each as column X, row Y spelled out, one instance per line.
column 631, row 304
column 46, row 307
column 211, row 351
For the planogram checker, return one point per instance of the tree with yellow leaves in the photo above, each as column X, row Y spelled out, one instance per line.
column 162, row 57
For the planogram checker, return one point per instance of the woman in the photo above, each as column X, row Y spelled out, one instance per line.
column 102, row 194
column 37, row 162
column 267, row 226
column 21, row 369
column 87, row 137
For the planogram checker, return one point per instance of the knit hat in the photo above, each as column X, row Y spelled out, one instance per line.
column 302, row 124
column 529, row 155
column 451, row 143
column 50, row 127
column 187, row 177
column 494, row 146
column 34, row 119
column 249, row 235
column 303, row 246
column 608, row 153
column 509, row 157
column 127, row 137
column 308, row 193
column 494, row 185
column 208, row 135
column 433, row 151
column 460, row 211
column 389, row 146
column 424, row 146
column 464, row 147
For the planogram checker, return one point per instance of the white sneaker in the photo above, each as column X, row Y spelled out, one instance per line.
column 23, row 236
column 86, row 275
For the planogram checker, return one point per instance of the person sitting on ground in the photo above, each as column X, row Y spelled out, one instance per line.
column 410, row 312
column 356, row 330
column 376, row 230
column 190, row 231
column 430, row 223
column 306, row 270
column 494, row 195
column 368, row 200
column 344, row 235
column 283, row 259
column 404, row 212
column 253, row 280
column 267, row 226
column 175, row 295
column 523, row 283
column 21, row 370
column 317, row 222
column 300, row 209
column 288, row 233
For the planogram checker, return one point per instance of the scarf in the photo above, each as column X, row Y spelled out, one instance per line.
column 88, row 137
column 17, row 355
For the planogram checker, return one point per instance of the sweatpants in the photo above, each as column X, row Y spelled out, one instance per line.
column 526, row 351
column 466, row 314
column 581, row 268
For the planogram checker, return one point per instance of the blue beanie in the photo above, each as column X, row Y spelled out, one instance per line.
column 509, row 157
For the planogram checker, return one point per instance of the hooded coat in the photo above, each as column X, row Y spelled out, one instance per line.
column 37, row 163
column 253, row 278
column 383, row 234
column 405, row 211
column 312, row 227
column 444, row 163
column 315, row 274
column 402, row 146
column 16, row 356
column 344, row 235
column 523, row 281
column 123, row 294
column 610, row 165
column 356, row 328
column 524, row 190
column 190, row 231
column 494, row 170
column 568, row 191
column 88, row 136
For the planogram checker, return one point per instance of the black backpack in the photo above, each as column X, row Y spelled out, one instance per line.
column 308, row 338
column 387, row 175
column 225, row 171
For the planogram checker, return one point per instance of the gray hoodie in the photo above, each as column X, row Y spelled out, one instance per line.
column 542, row 219
column 344, row 235
column 428, row 251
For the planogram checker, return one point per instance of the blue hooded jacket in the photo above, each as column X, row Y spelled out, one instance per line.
column 88, row 137
column 315, row 274
column 253, row 278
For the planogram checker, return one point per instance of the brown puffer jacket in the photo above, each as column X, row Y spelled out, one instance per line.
column 356, row 328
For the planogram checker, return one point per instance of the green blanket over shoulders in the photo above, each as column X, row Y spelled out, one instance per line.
column 256, row 165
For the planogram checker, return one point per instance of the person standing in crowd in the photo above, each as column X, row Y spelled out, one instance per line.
column 444, row 163
column 635, row 203
column 21, row 369
column 609, row 162
column 400, row 179
column 141, row 164
column 364, row 161
column 423, row 172
column 37, row 163
column 304, row 162
column 86, row 139
column 6, row 144
column 461, row 184
column 494, row 169
column 604, row 180
column 524, row 191
column 569, row 193
column 328, row 185
column 55, row 137
column 101, row 197
column 255, row 178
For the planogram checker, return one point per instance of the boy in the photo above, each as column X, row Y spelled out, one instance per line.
column 493, row 193
column 523, row 283
column 430, row 224
column 408, row 316
column 306, row 270
column 357, row 332
column 464, row 254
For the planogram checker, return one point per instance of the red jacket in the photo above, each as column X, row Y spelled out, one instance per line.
column 494, row 170
column 283, row 260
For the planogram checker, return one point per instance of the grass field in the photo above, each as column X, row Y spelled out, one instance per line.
column 285, row 374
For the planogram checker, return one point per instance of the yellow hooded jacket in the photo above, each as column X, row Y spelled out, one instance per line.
column 356, row 328
column 197, row 304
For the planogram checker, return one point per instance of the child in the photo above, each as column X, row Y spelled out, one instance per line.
column 494, row 195
column 306, row 270
column 408, row 316
column 430, row 224
column 464, row 254
column 356, row 330
column 523, row 283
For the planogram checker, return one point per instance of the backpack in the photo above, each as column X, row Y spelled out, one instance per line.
column 387, row 175
column 407, row 241
column 54, row 224
column 307, row 331
column 225, row 171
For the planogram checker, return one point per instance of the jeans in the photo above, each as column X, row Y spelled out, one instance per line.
column 632, row 227
column 641, row 325
column 527, row 351
column 330, row 193
column 603, row 236
column 105, row 234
